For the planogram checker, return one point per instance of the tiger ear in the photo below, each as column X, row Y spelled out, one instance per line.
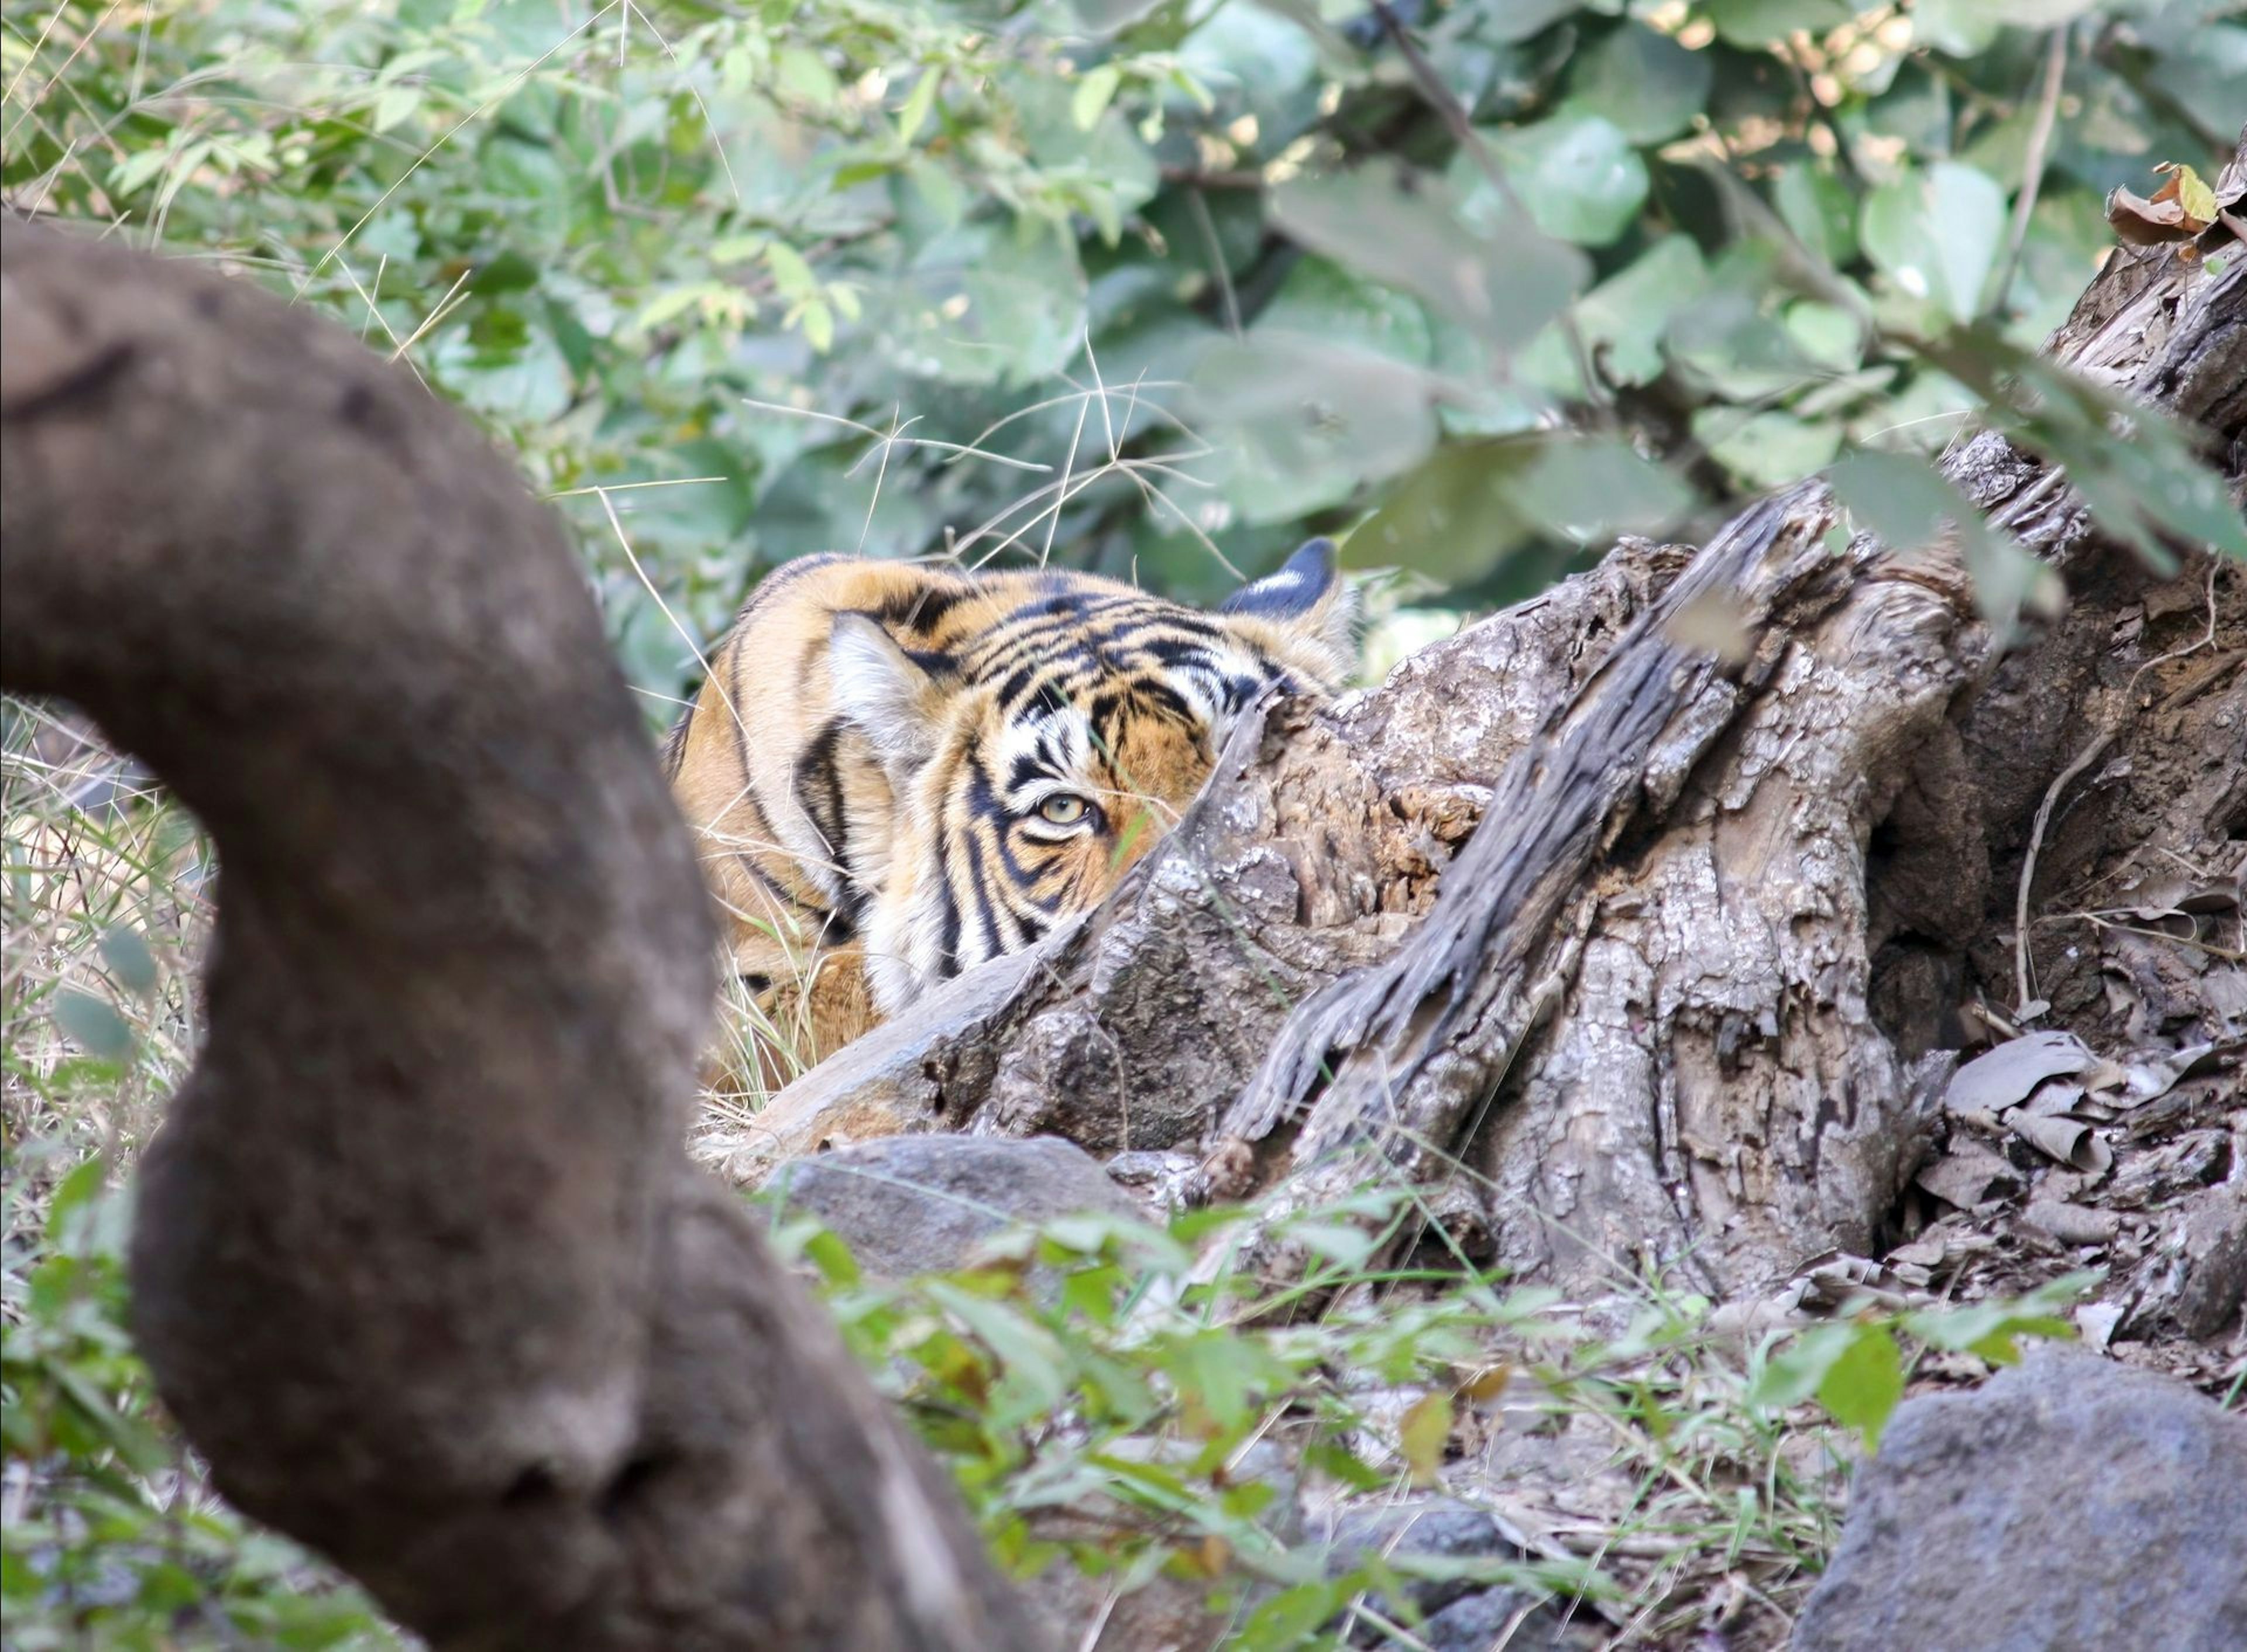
column 881, row 691
column 1310, row 607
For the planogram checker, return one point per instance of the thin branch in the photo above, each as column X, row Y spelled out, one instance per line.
column 2055, row 69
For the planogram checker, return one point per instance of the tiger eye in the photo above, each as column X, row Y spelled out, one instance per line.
column 1063, row 809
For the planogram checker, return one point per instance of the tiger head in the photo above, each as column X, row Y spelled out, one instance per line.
column 1039, row 732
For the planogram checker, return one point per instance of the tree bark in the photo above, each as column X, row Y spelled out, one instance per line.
column 420, row 1263
column 1685, row 999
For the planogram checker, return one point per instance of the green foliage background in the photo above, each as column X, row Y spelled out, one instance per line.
column 1210, row 276
column 1151, row 288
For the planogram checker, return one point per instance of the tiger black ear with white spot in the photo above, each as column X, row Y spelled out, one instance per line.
column 1307, row 611
column 884, row 693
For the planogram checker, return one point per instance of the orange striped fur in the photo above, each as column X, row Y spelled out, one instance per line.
column 898, row 771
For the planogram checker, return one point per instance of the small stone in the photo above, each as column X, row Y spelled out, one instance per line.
column 1461, row 1614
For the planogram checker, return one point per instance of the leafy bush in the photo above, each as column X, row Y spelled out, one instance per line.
column 1156, row 285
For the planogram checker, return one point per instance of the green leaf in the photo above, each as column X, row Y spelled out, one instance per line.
column 1643, row 83
column 1816, row 205
column 1968, row 28
column 1902, row 498
column 93, row 1024
column 997, row 303
column 1864, row 1381
column 803, row 74
column 1589, row 490
column 1518, row 20
column 1792, row 1374
column 1094, row 92
column 817, row 321
column 73, row 1193
column 126, row 952
column 1577, row 174
column 1937, row 234
column 1404, row 229
column 1304, row 421
column 791, row 274
column 1034, row 1365
column 1454, row 519
column 395, row 105
column 1827, row 335
column 1990, row 1329
column 1347, row 1247
column 1622, row 321
column 1291, row 1618
column 1760, row 23
column 919, row 104
column 1767, row 450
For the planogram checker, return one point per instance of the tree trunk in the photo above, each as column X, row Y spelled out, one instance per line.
column 420, row 1263
column 1687, row 997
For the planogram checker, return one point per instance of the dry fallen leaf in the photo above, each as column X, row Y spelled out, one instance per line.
column 2180, row 210
column 2071, row 1223
column 2069, row 1140
column 1968, row 1176
column 2004, row 1076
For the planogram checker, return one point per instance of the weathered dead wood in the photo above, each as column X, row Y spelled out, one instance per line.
column 1640, row 1022
column 419, row 1264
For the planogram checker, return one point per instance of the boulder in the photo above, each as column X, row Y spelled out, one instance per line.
column 922, row 1204
column 2069, row 1504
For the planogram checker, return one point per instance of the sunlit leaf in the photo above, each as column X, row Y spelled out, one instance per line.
column 1578, row 176
column 1093, row 94
column 1937, row 234
column 1422, row 1434
column 1864, row 1381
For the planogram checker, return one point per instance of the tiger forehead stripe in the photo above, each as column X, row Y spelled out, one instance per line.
column 1040, row 628
column 1101, row 648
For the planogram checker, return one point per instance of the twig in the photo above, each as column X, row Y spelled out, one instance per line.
column 2055, row 69
column 1207, row 225
column 2083, row 761
column 1460, row 124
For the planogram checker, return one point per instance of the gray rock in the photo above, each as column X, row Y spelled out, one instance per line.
column 1459, row 1615
column 2069, row 1504
column 1511, row 1619
column 922, row 1204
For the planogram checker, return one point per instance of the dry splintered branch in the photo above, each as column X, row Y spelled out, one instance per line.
column 1556, row 806
column 419, row 1262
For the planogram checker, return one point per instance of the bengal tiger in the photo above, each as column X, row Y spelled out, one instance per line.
column 897, row 771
